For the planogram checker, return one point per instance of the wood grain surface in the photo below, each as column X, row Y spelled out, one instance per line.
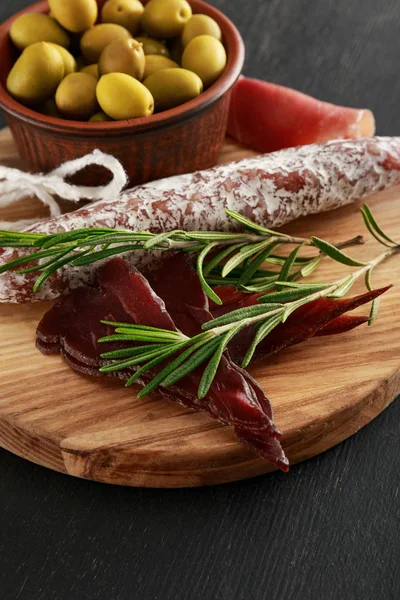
column 329, row 529
column 322, row 392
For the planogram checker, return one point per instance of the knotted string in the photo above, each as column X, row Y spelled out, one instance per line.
column 15, row 185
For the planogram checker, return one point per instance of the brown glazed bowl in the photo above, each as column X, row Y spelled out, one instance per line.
column 179, row 140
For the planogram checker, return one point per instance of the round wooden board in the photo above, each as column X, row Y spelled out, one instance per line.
column 322, row 391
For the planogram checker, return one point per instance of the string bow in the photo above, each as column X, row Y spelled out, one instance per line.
column 15, row 185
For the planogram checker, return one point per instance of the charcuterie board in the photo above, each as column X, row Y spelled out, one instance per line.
column 322, row 392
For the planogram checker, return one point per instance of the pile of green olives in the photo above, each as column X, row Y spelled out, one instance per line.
column 127, row 62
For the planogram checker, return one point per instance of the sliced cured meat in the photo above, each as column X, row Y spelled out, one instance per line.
column 321, row 317
column 125, row 295
column 342, row 324
column 177, row 283
column 267, row 117
column 271, row 190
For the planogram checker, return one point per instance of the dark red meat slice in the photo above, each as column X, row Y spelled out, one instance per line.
column 342, row 324
column 125, row 295
column 191, row 311
column 321, row 317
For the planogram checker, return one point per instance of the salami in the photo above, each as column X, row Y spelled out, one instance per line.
column 271, row 190
column 267, row 117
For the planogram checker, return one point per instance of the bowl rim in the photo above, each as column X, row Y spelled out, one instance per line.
column 236, row 56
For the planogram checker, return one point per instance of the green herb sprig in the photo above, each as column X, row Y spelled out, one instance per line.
column 274, row 308
column 248, row 259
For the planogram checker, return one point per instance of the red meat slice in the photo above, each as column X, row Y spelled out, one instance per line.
column 73, row 327
column 318, row 318
column 268, row 117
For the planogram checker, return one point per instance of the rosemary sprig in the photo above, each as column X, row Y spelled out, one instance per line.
column 224, row 258
column 273, row 309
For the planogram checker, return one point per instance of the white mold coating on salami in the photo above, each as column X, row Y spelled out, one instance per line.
column 271, row 189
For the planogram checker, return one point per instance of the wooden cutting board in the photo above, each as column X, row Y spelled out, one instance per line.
column 322, row 391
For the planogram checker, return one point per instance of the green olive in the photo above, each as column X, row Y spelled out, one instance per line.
column 99, row 117
column 166, row 19
column 123, row 97
column 92, row 70
column 49, row 108
column 76, row 96
column 154, row 63
column 70, row 65
column 123, row 56
column 205, row 56
column 151, row 46
column 75, row 15
column 200, row 25
column 172, row 87
column 36, row 74
column 32, row 28
column 123, row 12
column 176, row 50
column 98, row 37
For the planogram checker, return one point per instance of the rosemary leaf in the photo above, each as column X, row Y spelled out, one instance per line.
column 212, row 367
column 288, row 264
column 309, row 269
column 374, row 311
column 138, row 337
column 220, row 257
column 88, row 259
column 171, row 334
column 72, row 236
column 278, row 260
column 214, row 236
column 158, row 239
column 43, row 266
column 240, row 314
column 291, row 295
column 368, row 282
column 52, row 269
column 244, row 252
column 17, row 235
column 264, row 330
column 201, row 355
column 130, row 352
column 143, row 357
column 260, row 287
column 134, row 326
column 253, row 266
column 114, row 238
column 336, row 254
column 251, row 225
column 153, row 363
column 368, row 217
column 7, row 243
column 372, row 231
column 344, row 288
column 200, row 261
column 196, row 342
column 294, row 285
column 24, row 260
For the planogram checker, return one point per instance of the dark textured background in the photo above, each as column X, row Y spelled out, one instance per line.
column 329, row 530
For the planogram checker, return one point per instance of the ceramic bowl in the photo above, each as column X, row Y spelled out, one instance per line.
column 176, row 141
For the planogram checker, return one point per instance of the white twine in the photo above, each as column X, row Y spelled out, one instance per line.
column 15, row 185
